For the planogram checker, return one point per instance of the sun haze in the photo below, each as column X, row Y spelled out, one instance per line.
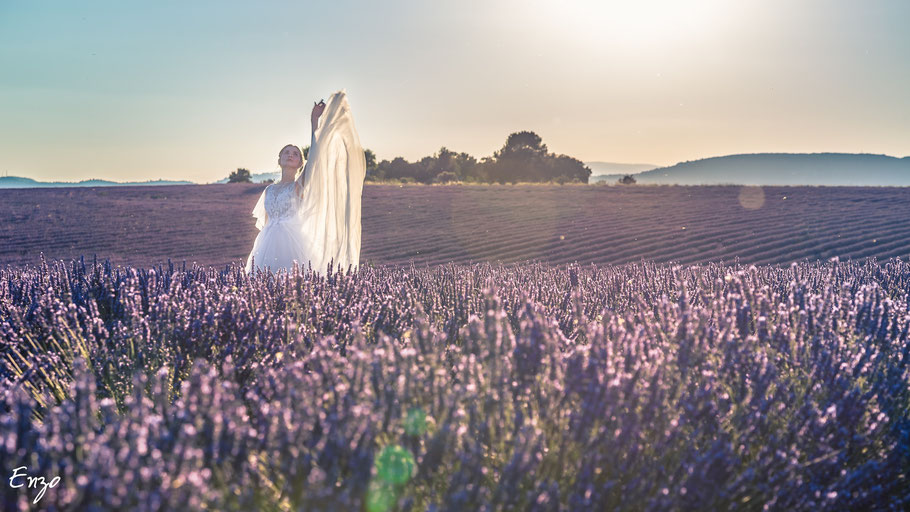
column 194, row 90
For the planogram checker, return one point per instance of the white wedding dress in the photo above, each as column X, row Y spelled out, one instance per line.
column 322, row 224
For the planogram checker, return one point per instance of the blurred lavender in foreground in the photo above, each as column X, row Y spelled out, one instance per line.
column 530, row 387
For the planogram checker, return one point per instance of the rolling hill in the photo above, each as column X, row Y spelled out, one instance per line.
column 608, row 169
column 259, row 177
column 20, row 182
column 819, row 169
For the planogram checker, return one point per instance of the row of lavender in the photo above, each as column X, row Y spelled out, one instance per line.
column 457, row 387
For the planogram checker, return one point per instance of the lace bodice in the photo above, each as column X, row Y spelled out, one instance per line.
column 280, row 201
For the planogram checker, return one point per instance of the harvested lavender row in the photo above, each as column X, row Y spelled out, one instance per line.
column 525, row 387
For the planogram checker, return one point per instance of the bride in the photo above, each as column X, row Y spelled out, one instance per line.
column 312, row 216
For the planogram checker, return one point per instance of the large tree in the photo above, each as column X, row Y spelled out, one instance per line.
column 522, row 158
column 240, row 176
column 522, row 145
column 370, row 158
column 525, row 157
column 570, row 168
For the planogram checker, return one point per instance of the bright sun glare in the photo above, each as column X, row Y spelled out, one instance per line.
column 637, row 23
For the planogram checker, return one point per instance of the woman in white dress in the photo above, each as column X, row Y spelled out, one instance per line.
column 311, row 217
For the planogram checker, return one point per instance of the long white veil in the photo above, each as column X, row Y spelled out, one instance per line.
column 333, row 185
column 328, row 213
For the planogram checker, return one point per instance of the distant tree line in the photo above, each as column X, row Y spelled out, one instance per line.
column 523, row 158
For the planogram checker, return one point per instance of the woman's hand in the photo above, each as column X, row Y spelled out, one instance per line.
column 318, row 108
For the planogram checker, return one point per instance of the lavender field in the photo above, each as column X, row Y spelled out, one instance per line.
column 644, row 386
column 596, row 256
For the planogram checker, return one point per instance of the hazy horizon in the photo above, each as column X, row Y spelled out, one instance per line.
column 174, row 91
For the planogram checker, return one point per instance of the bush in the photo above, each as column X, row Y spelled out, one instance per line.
column 446, row 177
column 240, row 176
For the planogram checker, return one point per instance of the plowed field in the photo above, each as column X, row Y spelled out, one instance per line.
column 211, row 224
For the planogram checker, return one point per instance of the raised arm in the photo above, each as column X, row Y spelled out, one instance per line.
column 318, row 108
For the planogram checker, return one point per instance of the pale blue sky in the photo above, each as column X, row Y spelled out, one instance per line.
column 193, row 90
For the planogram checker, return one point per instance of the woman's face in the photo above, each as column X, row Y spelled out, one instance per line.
column 290, row 156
